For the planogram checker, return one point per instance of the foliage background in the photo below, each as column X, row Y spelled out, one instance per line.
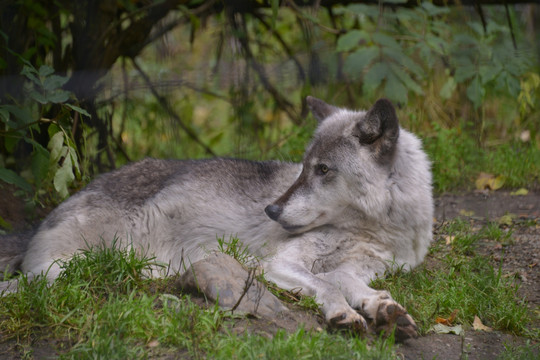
column 90, row 85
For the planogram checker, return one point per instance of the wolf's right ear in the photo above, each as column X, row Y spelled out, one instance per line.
column 320, row 109
column 379, row 129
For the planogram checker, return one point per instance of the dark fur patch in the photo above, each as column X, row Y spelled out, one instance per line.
column 379, row 129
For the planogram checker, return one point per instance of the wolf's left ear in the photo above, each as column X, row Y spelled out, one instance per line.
column 320, row 109
column 379, row 128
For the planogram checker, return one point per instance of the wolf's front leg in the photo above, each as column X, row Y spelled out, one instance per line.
column 384, row 313
column 291, row 276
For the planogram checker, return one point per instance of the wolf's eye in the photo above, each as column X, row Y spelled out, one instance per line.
column 323, row 169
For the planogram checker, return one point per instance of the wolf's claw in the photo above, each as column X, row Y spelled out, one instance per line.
column 390, row 315
column 350, row 320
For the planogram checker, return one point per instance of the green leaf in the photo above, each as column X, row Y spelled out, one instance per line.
column 78, row 109
column 4, row 115
column 433, row 10
column 39, row 97
column 30, row 73
column 10, row 142
column 513, row 85
column 54, row 82
column 75, row 161
column 10, row 177
column 489, row 72
column 395, row 90
column 400, row 58
column 58, row 96
column 55, row 146
column 448, row 88
column 406, row 79
column 351, row 40
column 40, row 163
column 476, row 92
column 358, row 61
column 362, row 9
column 22, row 115
column 465, row 73
column 64, row 177
column 385, row 40
column 45, row 70
column 375, row 75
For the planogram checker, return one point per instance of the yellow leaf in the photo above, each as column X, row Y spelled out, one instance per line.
column 478, row 326
column 483, row 180
column 497, row 182
column 507, row 219
column 449, row 239
column 489, row 181
column 467, row 213
column 518, row 192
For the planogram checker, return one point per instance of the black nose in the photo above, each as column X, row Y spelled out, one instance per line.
column 273, row 211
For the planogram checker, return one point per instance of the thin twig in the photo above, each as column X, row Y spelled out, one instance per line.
column 284, row 45
column 259, row 69
column 510, row 25
column 247, row 285
column 170, row 111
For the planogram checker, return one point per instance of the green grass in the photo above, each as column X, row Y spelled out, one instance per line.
column 104, row 306
column 463, row 281
column 458, row 159
column 527, row 352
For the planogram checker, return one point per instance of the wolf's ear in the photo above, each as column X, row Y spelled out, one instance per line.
column 379, row 128
column 320, row 109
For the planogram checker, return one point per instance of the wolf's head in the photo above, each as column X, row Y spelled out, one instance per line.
column 345, row 168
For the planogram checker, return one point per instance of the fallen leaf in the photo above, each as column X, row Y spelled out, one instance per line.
column 448, row 321
column 478, row 326
column 519, row 192
column 467, row 213
column 153, row 343
column 507, row 219
column 444, row 329
column 449, row 239
column 489, row 181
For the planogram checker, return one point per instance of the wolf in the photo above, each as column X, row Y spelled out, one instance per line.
column 359, row 204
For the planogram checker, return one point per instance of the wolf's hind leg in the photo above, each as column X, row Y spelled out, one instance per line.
column 376, row 305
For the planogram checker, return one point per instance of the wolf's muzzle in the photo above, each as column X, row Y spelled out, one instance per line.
column 273, row 211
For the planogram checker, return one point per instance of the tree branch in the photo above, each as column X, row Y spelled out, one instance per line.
column 170, row 111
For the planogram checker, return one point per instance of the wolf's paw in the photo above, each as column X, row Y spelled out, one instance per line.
column 349, row 319
column 389, row 315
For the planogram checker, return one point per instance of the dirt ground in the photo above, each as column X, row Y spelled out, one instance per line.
column 520, row 258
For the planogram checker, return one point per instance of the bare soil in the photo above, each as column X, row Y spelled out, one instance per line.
column 520, row 258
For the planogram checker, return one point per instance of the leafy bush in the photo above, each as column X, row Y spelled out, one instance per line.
column 59, row 162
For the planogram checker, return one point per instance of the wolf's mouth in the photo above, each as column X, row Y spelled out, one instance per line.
column 291, row 228
column 299, row 228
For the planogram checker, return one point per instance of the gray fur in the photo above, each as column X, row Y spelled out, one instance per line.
column 360, row 201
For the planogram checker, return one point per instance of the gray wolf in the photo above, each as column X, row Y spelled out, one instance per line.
column 359, row 203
